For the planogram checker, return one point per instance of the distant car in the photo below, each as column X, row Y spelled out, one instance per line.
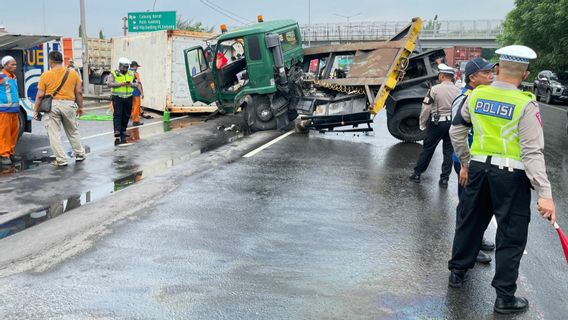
column 551, row 86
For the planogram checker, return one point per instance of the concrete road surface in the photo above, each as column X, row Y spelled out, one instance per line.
column 325, row 226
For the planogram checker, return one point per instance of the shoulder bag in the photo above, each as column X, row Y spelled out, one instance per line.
column 46, row 101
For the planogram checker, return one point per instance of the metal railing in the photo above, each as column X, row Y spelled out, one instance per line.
column 368, row 31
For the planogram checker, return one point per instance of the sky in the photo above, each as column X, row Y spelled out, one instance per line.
column 62, row 17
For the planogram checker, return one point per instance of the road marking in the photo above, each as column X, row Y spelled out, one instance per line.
column 266, row 145
column 112, row 132
column 554, row 107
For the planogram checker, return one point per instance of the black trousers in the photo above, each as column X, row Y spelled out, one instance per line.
column 457, row 168
column 122, row 110
column 434, row 135
column 507, row 195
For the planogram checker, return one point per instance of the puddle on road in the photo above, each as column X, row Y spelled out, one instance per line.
column 137, row 173
column 35, row 159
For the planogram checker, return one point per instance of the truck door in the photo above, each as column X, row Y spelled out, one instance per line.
column 199, row 75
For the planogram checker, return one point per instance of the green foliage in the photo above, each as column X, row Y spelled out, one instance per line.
column 543, row 26
column 101, row 35
column 80, row 31
column 189, row 25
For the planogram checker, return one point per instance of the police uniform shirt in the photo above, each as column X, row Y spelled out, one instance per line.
column 531, row 138
column 438, row 100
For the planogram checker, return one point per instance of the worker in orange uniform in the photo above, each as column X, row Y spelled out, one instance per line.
column 137, row 95
column 9, row 109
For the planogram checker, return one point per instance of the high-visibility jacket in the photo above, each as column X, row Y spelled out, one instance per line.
column 495, row 115
column 123, row 91
column 9, row 96
column 136, row 92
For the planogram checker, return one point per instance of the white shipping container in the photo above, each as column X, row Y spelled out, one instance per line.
column 162, row 70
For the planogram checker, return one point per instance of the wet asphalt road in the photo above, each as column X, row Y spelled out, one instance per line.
column 313, row 227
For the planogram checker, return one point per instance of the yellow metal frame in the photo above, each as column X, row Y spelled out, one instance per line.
column 397, row 72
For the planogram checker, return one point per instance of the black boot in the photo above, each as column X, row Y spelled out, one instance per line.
column 483, row 257
column 457, row 278
column 415, row 178
column 487, row 245
column 514, row 305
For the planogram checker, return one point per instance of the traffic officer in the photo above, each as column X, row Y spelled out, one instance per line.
column 478, row 71
column 505, row 159
column 9, row 110
column 137, row 95
column 436, row 118
column 122, row 86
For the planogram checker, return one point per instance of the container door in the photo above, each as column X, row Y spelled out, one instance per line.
column 199, row 75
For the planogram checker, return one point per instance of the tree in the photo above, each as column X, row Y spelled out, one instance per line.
column 80, row 32
column 101, row 35
column 189, row 25
column 541, row 25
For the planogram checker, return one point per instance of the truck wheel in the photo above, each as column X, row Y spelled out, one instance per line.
column 259, row 115
column 404, row 124
column 22, row 123
column 535, row 91
column 548, row 98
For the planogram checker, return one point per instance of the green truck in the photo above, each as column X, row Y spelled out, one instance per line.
column 264, row 71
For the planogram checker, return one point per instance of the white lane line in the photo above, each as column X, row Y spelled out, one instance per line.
column 268, row 144
column 554, row 107
column 494, row 223
column 112, row 132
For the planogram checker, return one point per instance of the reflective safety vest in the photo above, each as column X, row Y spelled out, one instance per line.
column 123, row 92
column 136, row 92
column 495, row 115
column 9, row 96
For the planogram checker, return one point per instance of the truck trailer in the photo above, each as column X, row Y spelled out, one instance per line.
column 163, row 69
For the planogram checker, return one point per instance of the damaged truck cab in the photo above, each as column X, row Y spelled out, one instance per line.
column 252, row 69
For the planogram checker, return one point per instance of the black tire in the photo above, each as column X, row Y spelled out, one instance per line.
column 22, row 122
column 535, row 91
column 548, row 98
column 258, row 114
column 404, row 124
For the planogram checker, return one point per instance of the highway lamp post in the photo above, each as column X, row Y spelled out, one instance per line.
column 347, row 17
column 309, row 22
column 85, row 49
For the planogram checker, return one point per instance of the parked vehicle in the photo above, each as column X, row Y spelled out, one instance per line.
column 31, row 54
column 551, row 86
column 99, row 57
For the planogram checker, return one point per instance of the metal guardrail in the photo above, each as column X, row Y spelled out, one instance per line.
column 433, row 29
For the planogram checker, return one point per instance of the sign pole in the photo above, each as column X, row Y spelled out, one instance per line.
column 85, row 49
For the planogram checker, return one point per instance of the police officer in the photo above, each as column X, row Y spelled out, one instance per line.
column 122, row 87
column 436, row 117
column 505, row 159
column 478, row 71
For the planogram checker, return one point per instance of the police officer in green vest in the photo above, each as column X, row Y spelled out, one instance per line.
column 122, row 84
column 505, row 159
